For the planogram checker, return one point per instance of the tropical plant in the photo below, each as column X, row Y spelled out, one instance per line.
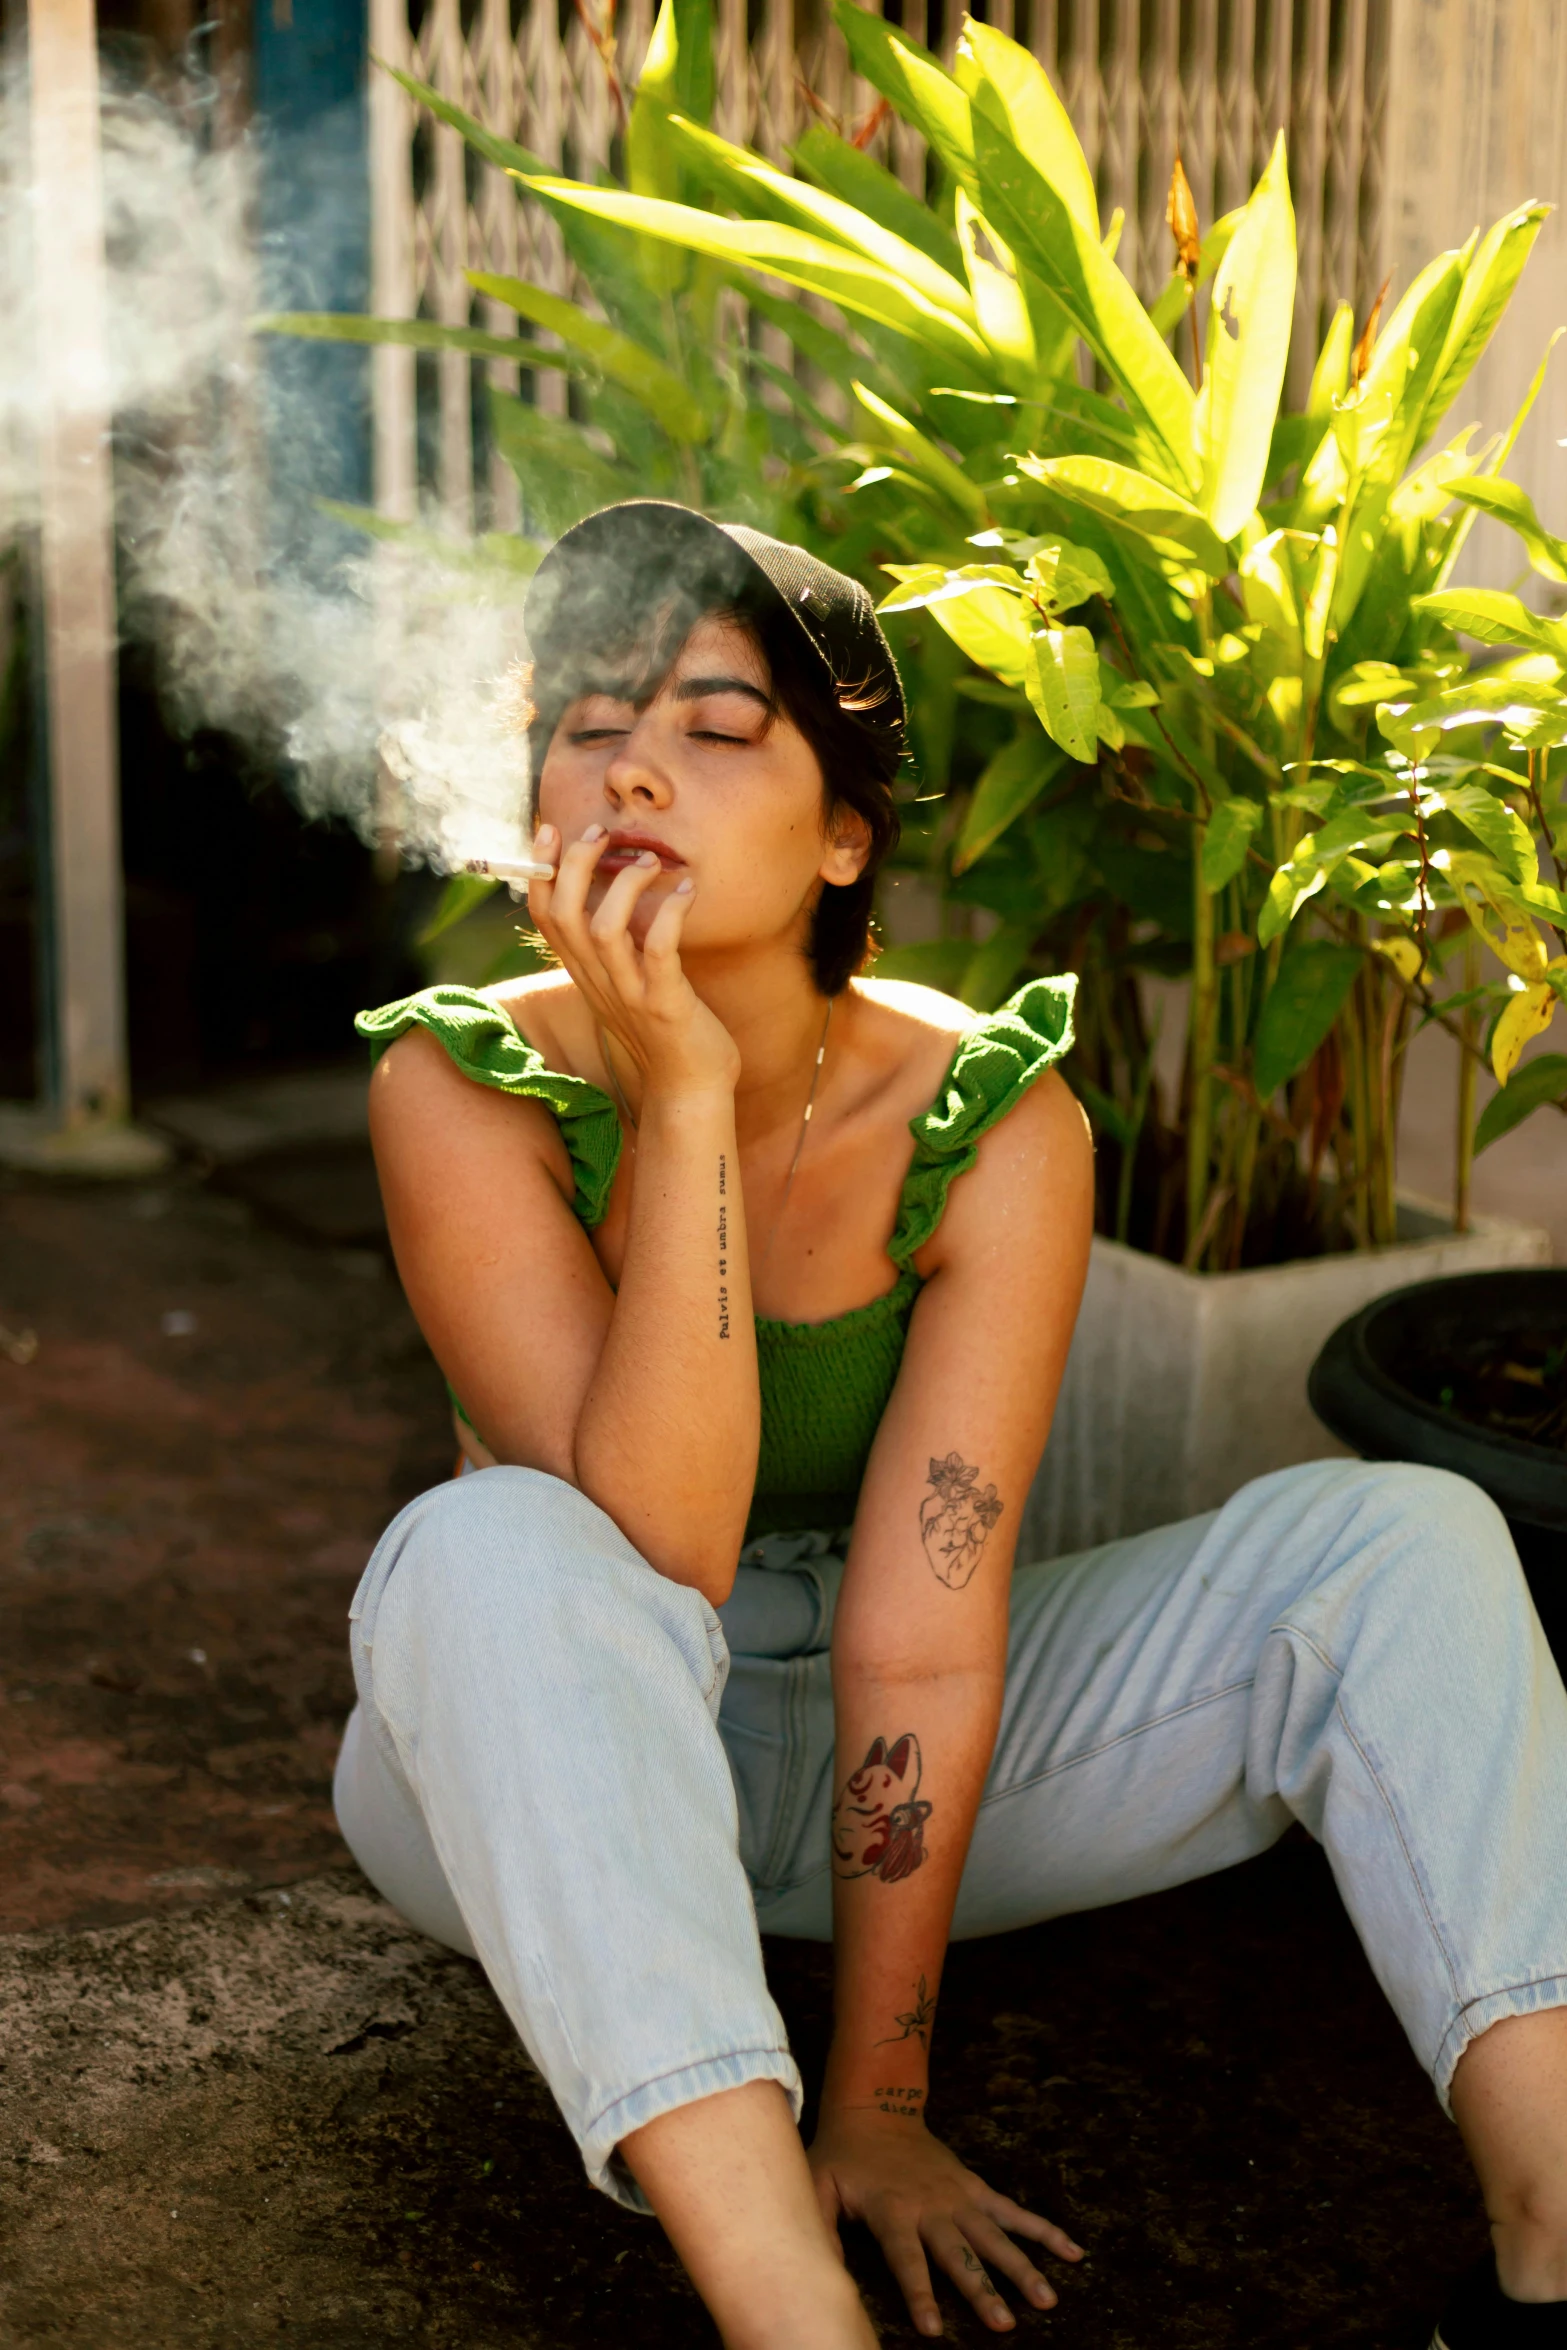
column 659, row 360
column 1239, row 739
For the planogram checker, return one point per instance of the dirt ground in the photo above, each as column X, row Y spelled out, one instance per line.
column 241, row 2102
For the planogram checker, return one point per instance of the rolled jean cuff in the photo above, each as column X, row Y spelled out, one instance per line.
column 1531, row 1998
column 669, row 2091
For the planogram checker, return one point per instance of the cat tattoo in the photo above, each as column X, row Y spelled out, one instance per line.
column 955, row 1520
column 878, row 1821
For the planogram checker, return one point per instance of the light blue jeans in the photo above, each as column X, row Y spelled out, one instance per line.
column 578, row 1772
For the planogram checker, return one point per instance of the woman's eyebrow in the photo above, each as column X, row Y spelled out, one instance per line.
column 691, row 689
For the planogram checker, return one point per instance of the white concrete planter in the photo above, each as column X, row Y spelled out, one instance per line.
column 1181, row 1386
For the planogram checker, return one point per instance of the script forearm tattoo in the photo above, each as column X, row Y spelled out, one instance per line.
column 878, row 1821
column 955, row 1520
column 915, row 2022
column 723, row 1247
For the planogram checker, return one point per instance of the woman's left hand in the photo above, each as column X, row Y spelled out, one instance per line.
column 922, row 2205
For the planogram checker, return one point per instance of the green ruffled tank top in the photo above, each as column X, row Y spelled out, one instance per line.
column 824, row 1385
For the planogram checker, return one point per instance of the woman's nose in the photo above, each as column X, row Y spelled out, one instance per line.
column 634, row 777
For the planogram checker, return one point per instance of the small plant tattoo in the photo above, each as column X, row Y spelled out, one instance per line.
column 878, row 1821
column 955, row 1520
column 915, row 2020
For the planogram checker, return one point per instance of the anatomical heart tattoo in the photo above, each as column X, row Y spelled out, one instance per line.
column 878, row 1821
column 956, row 1518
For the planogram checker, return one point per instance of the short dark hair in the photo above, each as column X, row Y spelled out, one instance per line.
column 855, row 733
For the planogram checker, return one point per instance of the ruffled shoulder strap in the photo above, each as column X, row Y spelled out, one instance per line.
column 482, row 1038
column 994, row 1065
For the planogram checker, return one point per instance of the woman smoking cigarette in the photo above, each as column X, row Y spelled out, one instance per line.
column 756, row 1276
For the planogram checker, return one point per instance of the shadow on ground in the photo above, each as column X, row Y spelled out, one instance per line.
column 240, row 2103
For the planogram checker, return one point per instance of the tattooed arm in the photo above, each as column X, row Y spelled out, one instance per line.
column 919, row 1665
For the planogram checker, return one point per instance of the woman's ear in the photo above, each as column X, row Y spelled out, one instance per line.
column 848, row 846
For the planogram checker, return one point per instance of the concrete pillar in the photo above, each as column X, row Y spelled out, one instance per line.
column 1476, row 124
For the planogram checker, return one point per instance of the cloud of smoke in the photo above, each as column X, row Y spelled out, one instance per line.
column 263, row 626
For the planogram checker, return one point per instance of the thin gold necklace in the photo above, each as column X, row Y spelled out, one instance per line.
column 805, row 1123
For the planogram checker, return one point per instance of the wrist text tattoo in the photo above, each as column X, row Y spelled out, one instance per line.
column 955, row 1520
column 878, row 1821
column 916, row 2024
column 723, row 1249
column 906, row 2102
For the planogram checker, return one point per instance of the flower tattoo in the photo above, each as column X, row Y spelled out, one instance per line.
column 914, row 2020
column 955, row 1520
column 878, row 1821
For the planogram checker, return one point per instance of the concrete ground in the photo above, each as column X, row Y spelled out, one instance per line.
column 240, row 2102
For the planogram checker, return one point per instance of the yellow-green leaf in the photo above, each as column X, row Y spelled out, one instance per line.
column 1529, row 1015
column 1138, row 503
column 800, row 259
column 1061, row 679
column 621, row 361
column 1249, row 317
column 1227, row 839
column 1011, row 783
column 1515, row 507
column 1013, row 87
column 923, row 92
column 922, row 457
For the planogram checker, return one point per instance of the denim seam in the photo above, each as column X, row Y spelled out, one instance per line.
column 796, row 1671
column 692, row 2064
column 1498, row 1991
column 1123, row 1737
column 1409, row 1858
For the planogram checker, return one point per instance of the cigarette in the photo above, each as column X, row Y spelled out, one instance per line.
column 511, row 868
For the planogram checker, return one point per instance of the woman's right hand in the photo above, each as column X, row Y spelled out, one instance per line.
column 641, row 995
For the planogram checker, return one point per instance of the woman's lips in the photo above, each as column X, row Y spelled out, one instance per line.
column 624, row 848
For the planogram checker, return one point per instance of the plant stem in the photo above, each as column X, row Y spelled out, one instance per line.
column 1205, row 1018
column 1468, row 1065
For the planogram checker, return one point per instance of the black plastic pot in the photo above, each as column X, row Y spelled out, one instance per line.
column 1378, row 1385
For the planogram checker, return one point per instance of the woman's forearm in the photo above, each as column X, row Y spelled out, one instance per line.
column 668, row 1433
column 914, row 1751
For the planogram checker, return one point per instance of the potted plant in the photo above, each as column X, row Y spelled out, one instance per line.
column 1468, row 1374
column 1217, row 723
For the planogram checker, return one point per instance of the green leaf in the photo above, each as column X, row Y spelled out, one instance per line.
column 1492, row 273
column 1013, row 88
column 923, row 458
column 858, row 179
column 1071, row 264
column 562, row 474
column 923, row 92
column 810, row 262
column 1007, row 787
column 1288, row 891
column 987, row 623
column 1061, row 679
column 1531, row 1085
column 1495, row 827
column 1495, row 618
column 1066, row 576
column 1330, row 376
column 462, row 893
column 1137, row 503
column 1513, row 506
column 1227, row 840
column 756, row 189
column 992, row 970
column 1380, row 425
column 1249, row 318
column 618, row 359
column 932, row 962
column 1302, row 1005
column 411, row 334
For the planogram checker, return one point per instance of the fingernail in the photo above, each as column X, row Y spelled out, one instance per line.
column 648, row 857
column 594, row 832
column 545, row 836
column 683, row 889
column 930, row 2324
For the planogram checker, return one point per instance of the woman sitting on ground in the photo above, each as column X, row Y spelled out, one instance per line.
column 755, row 1279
